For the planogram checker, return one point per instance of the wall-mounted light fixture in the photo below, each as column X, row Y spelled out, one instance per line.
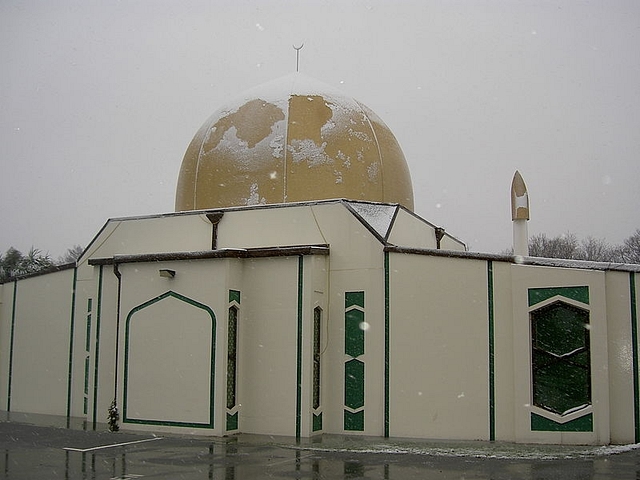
column 166, row 273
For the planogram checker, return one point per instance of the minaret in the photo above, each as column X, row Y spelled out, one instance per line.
column 519, row 215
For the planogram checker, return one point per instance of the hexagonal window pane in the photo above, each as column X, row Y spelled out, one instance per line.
column 561, row 386
column 560, row 328
column 561, row 372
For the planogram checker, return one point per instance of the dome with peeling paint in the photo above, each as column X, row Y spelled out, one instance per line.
column 292, row 140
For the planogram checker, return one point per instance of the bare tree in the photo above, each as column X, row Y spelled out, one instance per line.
column 590, row 249
column 71, row 256
column 598, row 250
column 562, row 246
column 631, row 248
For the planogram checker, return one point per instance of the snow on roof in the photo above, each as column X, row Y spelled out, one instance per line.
column 378, row 215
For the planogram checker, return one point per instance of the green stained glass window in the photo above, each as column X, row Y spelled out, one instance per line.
column 232, row 339
column 354, row 333
column 317, row 319
column 354, row 384
column 561, row 372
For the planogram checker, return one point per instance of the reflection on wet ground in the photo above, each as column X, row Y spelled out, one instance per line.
column 31, row 448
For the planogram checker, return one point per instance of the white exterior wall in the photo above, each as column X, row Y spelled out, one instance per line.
column 173, row 345
column 450, row 243
column 169, row 396
column 267, row 346
column 409, row 231
column 281, row 226
column 102, row 345
column 504, row 373
column 441, row 313
column 169, row 233
column 438, row 348
column 316, row 283
column 85, row 323
column 620, row 357
column 356, row 264
column 6, row 309
column 39, row 355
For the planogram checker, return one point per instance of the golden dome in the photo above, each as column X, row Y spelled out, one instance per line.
column 292, row 140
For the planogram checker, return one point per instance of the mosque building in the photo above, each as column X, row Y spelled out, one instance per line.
column 295, row 292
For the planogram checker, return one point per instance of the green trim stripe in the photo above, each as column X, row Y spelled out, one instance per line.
column 146, row 304
column 299, row 350
column 386, row 344
column 71, row 333
column 11, row 341
column 116, row 370
column 580, row 294
column 97, row 350
column 167, row 423
column 86, row 376
column 492, row 379
column 634, row 349
column 87, row 346
column 86, row 386
column 87, row 339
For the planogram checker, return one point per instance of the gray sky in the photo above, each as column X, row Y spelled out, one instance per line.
column 99, row 100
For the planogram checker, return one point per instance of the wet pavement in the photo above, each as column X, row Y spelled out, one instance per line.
column 31, row 448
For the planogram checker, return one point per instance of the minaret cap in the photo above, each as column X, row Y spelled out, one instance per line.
column 519, row 198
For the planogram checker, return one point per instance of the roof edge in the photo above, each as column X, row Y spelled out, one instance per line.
column 259, row 252
column 519, row 260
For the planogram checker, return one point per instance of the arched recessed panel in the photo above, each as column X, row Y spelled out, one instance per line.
column 169, row 362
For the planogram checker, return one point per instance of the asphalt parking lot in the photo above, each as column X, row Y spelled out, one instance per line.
column 37, row 451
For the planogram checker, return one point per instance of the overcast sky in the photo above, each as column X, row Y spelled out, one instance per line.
column 99, row 100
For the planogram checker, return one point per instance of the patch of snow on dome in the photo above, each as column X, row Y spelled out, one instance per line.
column 277, row 144
column 231, row 142
column 345, row 110
column 308, row 150
column 359, row 135
column 373, row 170
column 345, row 159
column 254, row 197
column 327, row 127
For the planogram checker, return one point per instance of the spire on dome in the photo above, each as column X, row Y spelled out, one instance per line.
column 297, row 49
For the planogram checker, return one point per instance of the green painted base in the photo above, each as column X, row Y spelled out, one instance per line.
column 232, row 421
column 542, row 424
column 317, row 422
column 354, row 421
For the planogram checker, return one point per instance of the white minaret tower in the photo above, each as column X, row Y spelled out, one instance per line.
column 520, row 215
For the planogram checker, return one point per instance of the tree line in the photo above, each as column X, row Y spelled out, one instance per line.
column 567, row 246
column 14, row 263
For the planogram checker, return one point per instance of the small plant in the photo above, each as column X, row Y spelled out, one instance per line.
column 113, row 417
